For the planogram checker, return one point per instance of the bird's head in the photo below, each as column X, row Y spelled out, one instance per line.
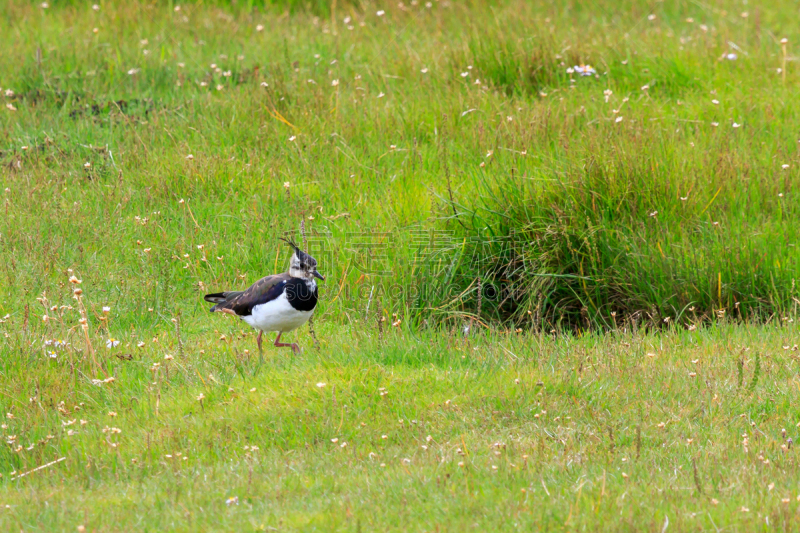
column 302, row 265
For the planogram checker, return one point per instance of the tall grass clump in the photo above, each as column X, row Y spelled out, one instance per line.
column 618, row 232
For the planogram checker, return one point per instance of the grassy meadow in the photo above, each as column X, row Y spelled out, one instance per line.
column 560, row 242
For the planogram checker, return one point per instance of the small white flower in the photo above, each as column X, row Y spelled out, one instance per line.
column 320, row 384
column 106, row 309
column 381, row 95
column 96, row 7
column 233, row 500
column 584, row 70
column 133, row 71
column 464, row 74
column 715, row 102
column 424, row 70
column 380, row 13
column 260, row 27
column 737, row 125
column 731, row 57
column 784, row 167
column 618, row 119
column 112, row 342
column 334, row 83
column 45, row 5
column 51, row 354
column 292, row 138
column 651, row 17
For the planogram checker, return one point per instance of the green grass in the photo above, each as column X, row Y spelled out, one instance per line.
column 389, row 148
column 421, row 192
column 499, row 432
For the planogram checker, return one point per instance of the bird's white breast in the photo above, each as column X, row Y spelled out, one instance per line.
column 277, row 315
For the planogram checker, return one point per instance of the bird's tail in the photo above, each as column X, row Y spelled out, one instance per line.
column 221, row 298
column 216, row 298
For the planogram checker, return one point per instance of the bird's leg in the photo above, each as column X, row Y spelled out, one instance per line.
column 258, row 340
column 295, row 348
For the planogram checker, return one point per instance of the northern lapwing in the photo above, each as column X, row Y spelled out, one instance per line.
column 281, row 302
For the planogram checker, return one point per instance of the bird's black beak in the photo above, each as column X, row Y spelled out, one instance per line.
column 318, row 275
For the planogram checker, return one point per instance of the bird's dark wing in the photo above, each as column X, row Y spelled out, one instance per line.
column 262, row 291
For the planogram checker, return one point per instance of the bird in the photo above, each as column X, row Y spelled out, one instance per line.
column 280, row 302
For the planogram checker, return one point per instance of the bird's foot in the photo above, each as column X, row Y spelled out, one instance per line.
column 295, row 348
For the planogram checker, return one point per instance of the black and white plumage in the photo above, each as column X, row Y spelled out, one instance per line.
column 281, row 302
